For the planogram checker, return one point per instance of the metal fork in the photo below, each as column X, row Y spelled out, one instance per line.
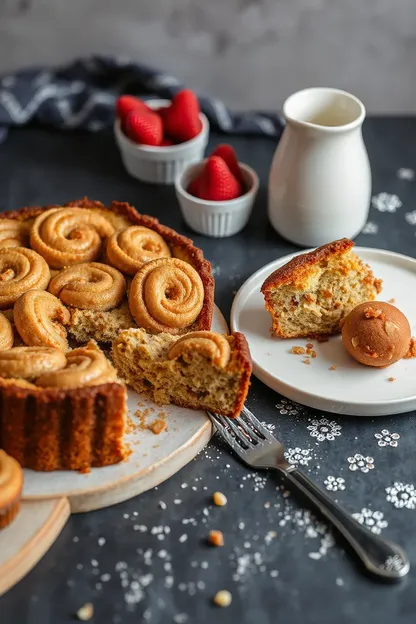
column 257, row 447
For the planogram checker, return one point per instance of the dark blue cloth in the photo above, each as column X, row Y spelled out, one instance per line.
column 83, row 94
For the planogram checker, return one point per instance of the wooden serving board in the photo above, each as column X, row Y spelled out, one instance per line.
column 49, row 498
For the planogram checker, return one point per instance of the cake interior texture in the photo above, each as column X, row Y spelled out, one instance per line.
column 192, row 380
column 101, row 326
column 313, row 293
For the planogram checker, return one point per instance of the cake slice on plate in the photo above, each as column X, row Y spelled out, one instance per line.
column 310, row 295
column 200, row 370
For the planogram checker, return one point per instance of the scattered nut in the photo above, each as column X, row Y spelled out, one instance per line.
column 355, row 342
column 306, row 361
column 219, row 499
column 371, row 313
column 391, row 329
column 333, row 368
column 392, row 379
column 309, row 345
column 391, row 301
column 223, row 598
column 86, row 612
column 216, row 538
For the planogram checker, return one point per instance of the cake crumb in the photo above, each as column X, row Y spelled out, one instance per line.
column 392, row 379
column 157, row 426
column 86, row 612
column 223, row 598
column 309, row 345
column 393, row 300
column 412, row 349
column 298, row 350
column 306, row 361
column 219, row 499
column 332, row 368
column 216, row 538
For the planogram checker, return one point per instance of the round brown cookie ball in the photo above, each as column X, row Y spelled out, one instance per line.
column 376, row 334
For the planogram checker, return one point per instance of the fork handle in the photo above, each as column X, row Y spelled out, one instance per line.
column 382, row 558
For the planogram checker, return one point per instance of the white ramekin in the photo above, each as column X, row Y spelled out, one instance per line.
column 216, row 218
column 160, row 165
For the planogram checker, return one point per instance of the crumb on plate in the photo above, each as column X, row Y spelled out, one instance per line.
column 298, row 350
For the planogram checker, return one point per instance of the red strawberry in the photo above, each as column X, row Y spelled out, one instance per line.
column 144, row 127
column 215, row 182
column 167, row 142
column 181, row 119
column 128, row 103
column 227, row 153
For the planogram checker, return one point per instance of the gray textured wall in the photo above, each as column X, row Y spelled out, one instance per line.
column 251, row 53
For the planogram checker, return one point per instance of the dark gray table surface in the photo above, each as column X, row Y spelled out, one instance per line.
column 146, row 560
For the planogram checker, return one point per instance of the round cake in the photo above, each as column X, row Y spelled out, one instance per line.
column 376, row 334
column 75, row 274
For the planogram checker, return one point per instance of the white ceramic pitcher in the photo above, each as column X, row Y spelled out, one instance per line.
column 320, row 179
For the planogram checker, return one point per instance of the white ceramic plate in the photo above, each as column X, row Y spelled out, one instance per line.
column 352, row 388
column 153, row 459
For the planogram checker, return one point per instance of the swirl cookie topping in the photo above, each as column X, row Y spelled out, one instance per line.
column 130, row 249
column 6, row 333
column 214, row 346
column 166, row 295
column 30, row 362
column 67, row 236
column 90, row 286
column 40, row 319
column 85, row 366
column 13, row 233
column 20, row 270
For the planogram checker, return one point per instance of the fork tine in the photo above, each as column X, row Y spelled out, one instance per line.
column 223, row 431
column 252, row 420
column 238, row 433
column 249, row 431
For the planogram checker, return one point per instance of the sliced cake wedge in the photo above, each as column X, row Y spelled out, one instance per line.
column 310, row 295
column 200, row 370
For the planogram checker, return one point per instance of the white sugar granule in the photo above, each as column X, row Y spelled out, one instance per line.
column 94, row 563
column 177, row 501
column 105, row 577
column 180, row 618
column 163, row 505
column 101, row 541
column 75, row 539
column 183, row 538
column 339, row 581
column 169, row 582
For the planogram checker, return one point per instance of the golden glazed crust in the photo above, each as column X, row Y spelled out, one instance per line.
column 297, row 268
column 62, row 429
